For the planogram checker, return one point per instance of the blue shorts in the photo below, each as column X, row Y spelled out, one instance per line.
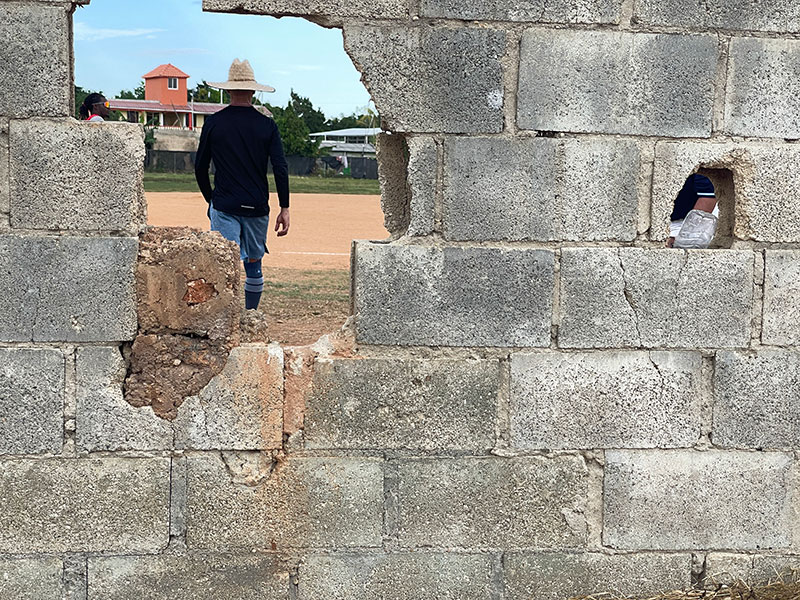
column 250, row 233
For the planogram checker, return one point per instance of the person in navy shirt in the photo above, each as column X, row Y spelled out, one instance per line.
column 697, row 193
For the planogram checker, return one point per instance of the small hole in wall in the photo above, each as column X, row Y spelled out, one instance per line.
column 725, row 194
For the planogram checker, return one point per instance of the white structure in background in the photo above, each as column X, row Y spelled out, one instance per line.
column 344, row 143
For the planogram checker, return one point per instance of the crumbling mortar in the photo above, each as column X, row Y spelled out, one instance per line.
column 497, row 576
column 698, row 569
column 707, row 373
column 555, row 314
column 626, row 14
column 759, row 274
column 720, row 86
column 438, row 199
column 70, row 409
column 503, row 416
column 510, row 64
column 595, row 466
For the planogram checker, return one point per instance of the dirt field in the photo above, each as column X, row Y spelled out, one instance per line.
column 307, row 282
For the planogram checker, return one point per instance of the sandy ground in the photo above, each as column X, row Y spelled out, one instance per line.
column 322, row 226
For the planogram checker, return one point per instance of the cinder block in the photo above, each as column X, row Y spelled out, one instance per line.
column 104, row 420
column 392, row 154
column 756, row 569
column 31, row 401
column 67, row 289
column 763, row 92
column 452, row 296
column 655, row 298
column 606, row 400
column 4, row 176
column 380, row 403
column 540, row 189
column 685, row 499
column 188, row 577
column 31, row 578
column 765, row 181
column 423, row 160
column 756, row 398
column 382, row 9
column 422, row 576
column 79, row 176
column 244, row 501
column 781, row 326
column 491, row 502
column 781, row 16
column 555, row 576
column 617, row 82
column 84, row 505
column 36, row 56
column 441, row 79
column 241, row 408
column 535, row 11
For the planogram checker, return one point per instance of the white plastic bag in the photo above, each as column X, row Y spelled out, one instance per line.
column 697, row 231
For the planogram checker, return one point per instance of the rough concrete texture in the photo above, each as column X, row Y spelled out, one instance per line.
column 299, row 502
column 491, row 502
column 31, row 400
column 540, row 189
column 31, row 578
column 381, row 9
column 764, row 15
column 415, row 295
column 724, row 567
column 4, row 176
column 685, row 499
column 555, row 576
column 442, row 79
column 756, row 398
column 36, row 56
column 655, row 298
column 241, row 408
column 538, row 11
column 104, row 420
column 71, row 175
column 392, row 154
column 617, row 82
column 606, row 400
column 423, row 161
column 188, row 577
column 67, row 289
column 762, row 94
column 765, row 180
column 781, row 325
column 386, row 403
column 86, row 505
column 428, row 576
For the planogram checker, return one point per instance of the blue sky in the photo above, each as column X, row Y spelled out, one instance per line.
column 118, row 41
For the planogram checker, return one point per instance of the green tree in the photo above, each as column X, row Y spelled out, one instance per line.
column 205, row 93
column 294, row 134
column 80, row 96
column 367, row 118
column 303, row 108
column 136, row 94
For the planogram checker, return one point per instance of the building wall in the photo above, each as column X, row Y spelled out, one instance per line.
column 157, row 88
column 539, row 400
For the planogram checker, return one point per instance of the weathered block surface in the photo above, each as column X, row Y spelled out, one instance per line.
column 241, row 501
column 781, row 326
column 429, row 576
column 541, row 11
column 188, row 577
column 686, row 499
column 756, row 569
column 31, row 578
column 31, row 401
column 403, row 404
column 71, row 175
column 67, row 289
column 104, row 420
column 423, row 161
column 382, row 9
column 540, row 189
column 35, row 55
column 415, row 295
column 241, row 408
column 555, row 576
column 756, row 398
column 84, row 505
column 4, row 176
column 495, row 502
column 763, row 91
column 655, row 298
column 441, row 80
column 765, row 15
column 606, row 400
column 617, row 82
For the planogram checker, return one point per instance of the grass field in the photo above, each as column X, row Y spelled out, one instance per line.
column 185, row 182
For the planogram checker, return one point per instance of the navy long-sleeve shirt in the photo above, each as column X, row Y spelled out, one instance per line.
column 242, row 142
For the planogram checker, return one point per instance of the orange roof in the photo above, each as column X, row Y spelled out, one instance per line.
column 167, row 70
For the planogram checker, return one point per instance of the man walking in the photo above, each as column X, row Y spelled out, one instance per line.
column 242, row 141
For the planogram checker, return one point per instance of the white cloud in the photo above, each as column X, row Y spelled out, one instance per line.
column 307, row 67
column 87, row 33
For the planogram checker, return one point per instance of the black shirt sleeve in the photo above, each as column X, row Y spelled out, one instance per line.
column 279, row 168
column 202, row 163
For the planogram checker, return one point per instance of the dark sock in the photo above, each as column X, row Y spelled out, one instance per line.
column 253, row 284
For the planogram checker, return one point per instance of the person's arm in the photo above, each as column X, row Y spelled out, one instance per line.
column 202, row 162
column 706, row 197
column 280, row 170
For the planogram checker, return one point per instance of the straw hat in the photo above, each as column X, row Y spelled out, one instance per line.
column 241, row 77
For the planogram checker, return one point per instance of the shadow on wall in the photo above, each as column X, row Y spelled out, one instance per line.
column 725, row 190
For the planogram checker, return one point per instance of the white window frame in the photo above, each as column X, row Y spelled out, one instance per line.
column 169, row 83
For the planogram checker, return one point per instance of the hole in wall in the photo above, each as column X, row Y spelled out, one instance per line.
column 725, row 193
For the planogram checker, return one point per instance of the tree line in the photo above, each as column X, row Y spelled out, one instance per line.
column 296, row 121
